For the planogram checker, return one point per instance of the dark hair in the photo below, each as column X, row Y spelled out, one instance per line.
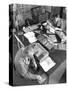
column 56, row 15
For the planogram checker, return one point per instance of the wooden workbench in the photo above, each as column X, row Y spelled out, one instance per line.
column 54, row 74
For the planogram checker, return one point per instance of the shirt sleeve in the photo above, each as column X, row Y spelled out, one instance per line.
column 22, row 68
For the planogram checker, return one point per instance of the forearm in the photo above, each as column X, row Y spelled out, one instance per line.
column 31, row 76
column 34, row 62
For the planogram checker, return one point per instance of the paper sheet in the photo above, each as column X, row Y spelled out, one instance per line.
column 53, row 37
column 47, row 64
column 30, row 36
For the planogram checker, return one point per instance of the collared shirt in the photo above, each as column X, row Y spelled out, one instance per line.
column 19, row 61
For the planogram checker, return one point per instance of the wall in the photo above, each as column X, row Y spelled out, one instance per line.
column 24, row 10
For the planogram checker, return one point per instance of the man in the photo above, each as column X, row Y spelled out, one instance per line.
column 22, row 64
column 60, row 22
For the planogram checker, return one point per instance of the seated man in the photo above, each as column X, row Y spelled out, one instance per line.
column 22, row 63
column 60, row 23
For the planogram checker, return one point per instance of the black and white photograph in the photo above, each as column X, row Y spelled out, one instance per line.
column 37, row 44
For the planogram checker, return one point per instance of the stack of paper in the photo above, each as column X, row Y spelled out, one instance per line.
column 40, row 52
column 42, row 39
column 30, row 28
column 49, row 45
column 47, row 64
column 30, row 36
column 62, row 46
column 53, row 37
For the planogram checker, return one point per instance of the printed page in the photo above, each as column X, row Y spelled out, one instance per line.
column 47, row 64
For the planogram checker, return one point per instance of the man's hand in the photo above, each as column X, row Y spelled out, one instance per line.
column 40, row 79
